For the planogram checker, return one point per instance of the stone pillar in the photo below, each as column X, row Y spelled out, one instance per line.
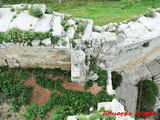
column 78, row 67
column 109, row 87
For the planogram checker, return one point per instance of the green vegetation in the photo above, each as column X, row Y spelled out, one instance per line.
column 97, row 115
column 69, row 103
column 150, row 13
column 54, row 40
column 45, row 82
column 64, row 43
column 158, row 114
column 48, row 11
column 12, row 9
column 80, row 27
column 14, row 90
column 16, row 35
column 149, row 93
column 89, row 84
column 102, row 12
column 65, row 25
column 35, row 12
column 102, row 74
column 116, row 79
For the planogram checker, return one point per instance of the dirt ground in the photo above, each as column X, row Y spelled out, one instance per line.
column 41, row 95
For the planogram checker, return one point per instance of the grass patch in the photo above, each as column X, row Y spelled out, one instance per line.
column 101, row 12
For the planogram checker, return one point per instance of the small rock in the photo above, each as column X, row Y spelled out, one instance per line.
column 93, row 77
column 47, row 41
column 35, row 42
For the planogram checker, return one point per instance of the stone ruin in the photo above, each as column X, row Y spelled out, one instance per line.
column 78, row 68
column 126, row 47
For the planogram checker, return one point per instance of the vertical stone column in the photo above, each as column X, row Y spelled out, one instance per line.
column 78, row 67
column 109, row 87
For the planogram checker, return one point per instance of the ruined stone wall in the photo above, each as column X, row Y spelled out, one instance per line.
column 31, row 57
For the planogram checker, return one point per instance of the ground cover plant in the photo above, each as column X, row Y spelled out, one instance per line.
column 69, row 102
column 16, row 35
column 102, row 12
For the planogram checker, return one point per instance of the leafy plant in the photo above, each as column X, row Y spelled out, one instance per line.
column 80, row 27
column 17, row 36
column 116, row 79
column 64, row 43
column 45, row 82
column 88, row 84
column 102, row 74
column 14, row 90
column 54, row 40
column 65, row 25
column 12, row 9
column 35, row 12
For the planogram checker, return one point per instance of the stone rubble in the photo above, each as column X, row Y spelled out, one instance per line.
column 129, row 47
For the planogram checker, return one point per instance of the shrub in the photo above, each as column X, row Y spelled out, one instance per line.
column 12, row 9
column 54, row 40
column 116, row 79
column 150, row 13
column 149, row 93
column 64, row 43
column 35, row 12
column 45, row 82
column 89, row 84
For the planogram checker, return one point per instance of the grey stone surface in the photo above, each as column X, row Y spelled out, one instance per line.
column 127, row 95
column 153, row 67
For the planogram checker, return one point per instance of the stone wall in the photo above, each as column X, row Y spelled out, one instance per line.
column 44, row 57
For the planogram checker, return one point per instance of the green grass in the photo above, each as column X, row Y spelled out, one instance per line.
column 101, row 12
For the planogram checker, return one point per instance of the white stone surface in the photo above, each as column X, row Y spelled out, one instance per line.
column 47, row 41
column 88, row 30
column 44, row 23
column 56, row 26
column 24, row 21
column 5, row 18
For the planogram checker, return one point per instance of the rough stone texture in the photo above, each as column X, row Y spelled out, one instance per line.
column 78, row 72
column 5, row 18
column 127, row 95
column 44, row 57
column 24, row 21
column 44, row 23
column 57, row 27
